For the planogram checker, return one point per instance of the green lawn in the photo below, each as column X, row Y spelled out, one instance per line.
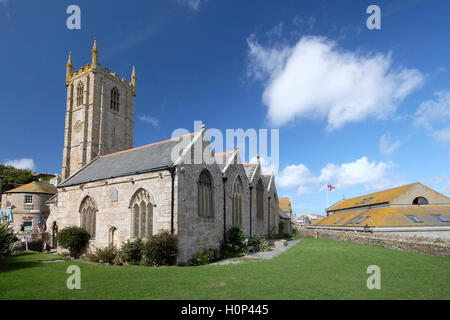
column 313, row 269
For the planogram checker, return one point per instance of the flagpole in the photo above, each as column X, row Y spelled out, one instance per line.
column 327, row 197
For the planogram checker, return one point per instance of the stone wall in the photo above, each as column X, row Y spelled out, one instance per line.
column 392, row 241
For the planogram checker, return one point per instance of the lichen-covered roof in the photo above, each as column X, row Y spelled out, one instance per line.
column 285, row 204
column 249, row 169
column 384, row 196
column 35, row 187
column 395, row 216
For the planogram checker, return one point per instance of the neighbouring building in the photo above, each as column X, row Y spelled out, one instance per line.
column 413, row 209
column 285, row 213
column 117, row 192
column 27, row 204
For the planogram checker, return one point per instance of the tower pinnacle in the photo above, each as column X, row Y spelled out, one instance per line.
column 133, row 80
column 94, row 54
column 69, row 67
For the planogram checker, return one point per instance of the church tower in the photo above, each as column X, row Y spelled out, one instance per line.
column 99, row 116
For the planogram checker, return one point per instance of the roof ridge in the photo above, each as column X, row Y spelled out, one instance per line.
column 148, row 145
column 390, row 189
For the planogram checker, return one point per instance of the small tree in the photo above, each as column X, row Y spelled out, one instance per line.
column 7, row 238
column 161, row 249
column 75, row 239
column 235, row 244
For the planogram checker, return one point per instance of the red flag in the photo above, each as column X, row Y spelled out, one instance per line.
column 330, row 187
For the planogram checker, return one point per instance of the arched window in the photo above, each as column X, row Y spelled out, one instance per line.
column 141, row 215
column 114, row 99
column 88, row 213
column 205, row 195
column 237, row 202
column 259, row 200
column 80, row 93
column 113, row 236
column 420, row 201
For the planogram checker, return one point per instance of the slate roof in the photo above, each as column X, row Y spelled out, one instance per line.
column 35, row 187
column 249, row 169
column 223, row 158
column 267, row 179
column 155, row 156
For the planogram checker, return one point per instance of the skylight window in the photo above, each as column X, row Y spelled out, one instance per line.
column 442, row 218
column 359, row 220
column 339, row 220
column 414, row 218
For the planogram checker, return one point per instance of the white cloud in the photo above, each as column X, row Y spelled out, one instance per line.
column 275, row 31
column 194, row 4
column 360, row 172
column 316, row 80
column 24, row 163
column 294, row 176
column 434, row 115
column 149, row 119
column 386, row 146
column 267, row 165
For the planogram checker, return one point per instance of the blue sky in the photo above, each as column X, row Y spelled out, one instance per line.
column 361, row 109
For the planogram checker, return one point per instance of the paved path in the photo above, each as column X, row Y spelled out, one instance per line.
column 274, row 253
column 261, row 255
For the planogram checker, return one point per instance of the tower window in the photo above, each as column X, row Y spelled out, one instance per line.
column 114, row 99
column 80, row 93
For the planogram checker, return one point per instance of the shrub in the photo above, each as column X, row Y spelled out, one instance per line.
column 75, row 239
column 7, row 238
column 201, row 258
column 131, row 251
column 259, row 244
column 105, row 255
column 235, row 244
column 161, row 249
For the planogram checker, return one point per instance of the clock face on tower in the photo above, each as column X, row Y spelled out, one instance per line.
column 78, row 126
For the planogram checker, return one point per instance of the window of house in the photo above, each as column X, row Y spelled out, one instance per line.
column 420, row 201
column 80, row 93
column 414, row 218
column 28, row 199
column 114, row 103
column 205, row 195
column 27, row 224
column 441, row 218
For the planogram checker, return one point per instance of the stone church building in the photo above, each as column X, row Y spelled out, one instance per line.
column 117, row 192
